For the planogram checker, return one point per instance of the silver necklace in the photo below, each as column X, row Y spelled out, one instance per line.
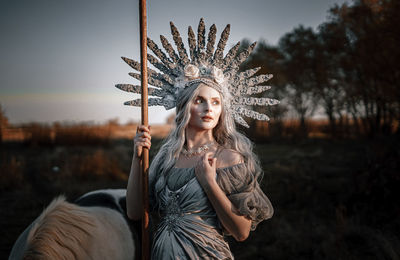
column 197, row 151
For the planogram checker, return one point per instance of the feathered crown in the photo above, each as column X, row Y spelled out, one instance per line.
column 206, row 66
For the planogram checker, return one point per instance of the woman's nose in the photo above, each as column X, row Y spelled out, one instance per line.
column 208, row 106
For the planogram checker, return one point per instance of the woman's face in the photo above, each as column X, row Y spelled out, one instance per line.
column 205, row 108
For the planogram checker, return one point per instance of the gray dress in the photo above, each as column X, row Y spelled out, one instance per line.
column 189, row 227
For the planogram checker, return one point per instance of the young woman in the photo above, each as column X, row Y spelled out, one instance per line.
column 204, row 181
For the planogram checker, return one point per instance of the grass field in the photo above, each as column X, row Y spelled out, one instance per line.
column 332, row 199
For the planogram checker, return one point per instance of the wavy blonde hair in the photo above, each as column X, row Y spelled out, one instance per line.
column 224, row 133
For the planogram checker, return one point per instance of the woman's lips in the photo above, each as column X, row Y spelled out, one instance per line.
column 207, row 118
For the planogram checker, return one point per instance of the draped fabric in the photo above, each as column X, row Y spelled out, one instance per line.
column 189, row 227
column 243, row 190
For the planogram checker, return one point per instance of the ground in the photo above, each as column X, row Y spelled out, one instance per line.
column 332, row 199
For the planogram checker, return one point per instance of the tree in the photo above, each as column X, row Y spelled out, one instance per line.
column 298, row 49
column 3, row 122
column 370, row 62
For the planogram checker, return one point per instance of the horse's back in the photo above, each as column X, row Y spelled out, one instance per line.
column 110, row 198
column 100, row 215
column 114, row 199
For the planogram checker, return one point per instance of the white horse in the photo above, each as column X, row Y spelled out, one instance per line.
column 94, row 227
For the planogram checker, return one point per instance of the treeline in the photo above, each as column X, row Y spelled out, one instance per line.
column 347, row 70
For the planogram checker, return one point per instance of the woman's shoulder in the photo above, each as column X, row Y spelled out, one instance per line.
column 228, row 157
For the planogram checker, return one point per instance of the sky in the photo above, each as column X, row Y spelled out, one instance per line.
column 60, row 59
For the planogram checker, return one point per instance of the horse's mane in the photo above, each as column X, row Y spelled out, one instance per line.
column 62, row 231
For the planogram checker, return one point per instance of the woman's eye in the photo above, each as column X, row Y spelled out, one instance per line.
column 197, row 101
column 216, row 102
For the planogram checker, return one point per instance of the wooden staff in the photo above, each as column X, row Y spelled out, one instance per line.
column 145, row 152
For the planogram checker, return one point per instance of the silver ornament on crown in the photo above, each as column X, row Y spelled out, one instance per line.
column 177, row 71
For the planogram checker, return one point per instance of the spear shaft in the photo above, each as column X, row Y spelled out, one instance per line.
column 145, row 153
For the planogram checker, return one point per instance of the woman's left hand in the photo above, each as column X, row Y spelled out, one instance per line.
column 205, row 170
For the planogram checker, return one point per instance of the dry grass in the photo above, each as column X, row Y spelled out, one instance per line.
column 77, row 134
column 333, row 199
column 11, row 176
column 89, row 134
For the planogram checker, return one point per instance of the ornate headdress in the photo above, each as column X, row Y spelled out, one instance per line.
column 204, row 66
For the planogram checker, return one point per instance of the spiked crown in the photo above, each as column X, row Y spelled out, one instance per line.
column 206, row 66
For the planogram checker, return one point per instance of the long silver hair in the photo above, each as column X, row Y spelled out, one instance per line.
column 224, row 133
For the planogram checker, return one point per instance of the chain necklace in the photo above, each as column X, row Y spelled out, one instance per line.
column 197, row 151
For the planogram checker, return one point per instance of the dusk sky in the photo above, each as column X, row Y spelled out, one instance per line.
column 60, row 59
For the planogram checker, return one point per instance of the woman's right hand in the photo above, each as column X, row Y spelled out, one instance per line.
column 142, row 139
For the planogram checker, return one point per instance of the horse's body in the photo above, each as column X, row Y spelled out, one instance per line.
column 94, row 227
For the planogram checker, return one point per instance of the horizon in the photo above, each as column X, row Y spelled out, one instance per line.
column 61, row 60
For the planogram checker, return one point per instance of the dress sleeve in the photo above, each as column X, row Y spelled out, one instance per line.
column 243, row 190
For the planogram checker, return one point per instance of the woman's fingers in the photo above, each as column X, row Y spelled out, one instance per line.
column 143, row 128
column 145, row 134
column 142, row 139
column 145, row 144
column 140, row 145
column 208, row 159
column 142, row 134
column 214, row 162
column 205, row 156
